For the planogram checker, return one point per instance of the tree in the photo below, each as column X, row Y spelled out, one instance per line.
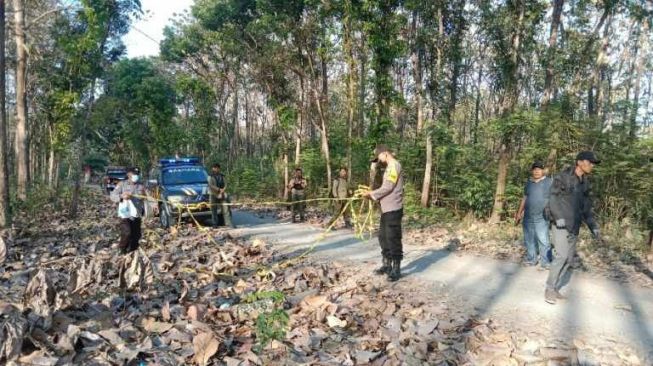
column 5, row 217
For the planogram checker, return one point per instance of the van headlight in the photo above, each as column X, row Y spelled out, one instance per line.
column 175, row 199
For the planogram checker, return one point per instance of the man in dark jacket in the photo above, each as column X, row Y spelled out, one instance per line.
column 569, row 206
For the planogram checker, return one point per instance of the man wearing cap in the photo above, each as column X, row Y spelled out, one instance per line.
column 130, row 227
column 297, row 185
column 391, row 197
column 531, row 211
column 569, row 206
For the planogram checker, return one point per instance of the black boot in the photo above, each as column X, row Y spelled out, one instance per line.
column 385, row 267
column 395, row 272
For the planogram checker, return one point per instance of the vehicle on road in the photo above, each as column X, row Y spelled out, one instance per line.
column 179, row 189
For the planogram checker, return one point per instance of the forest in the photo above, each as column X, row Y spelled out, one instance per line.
column 467, row 93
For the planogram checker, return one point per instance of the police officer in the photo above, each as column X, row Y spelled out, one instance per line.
column 130, row 227
column 340, row 190
column 297, row 185
column 391, row 197
column 219, row 199
column 569, row 206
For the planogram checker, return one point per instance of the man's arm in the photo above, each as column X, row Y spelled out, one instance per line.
column 390, row 179
column 588, row 217
column 520, row 211
column 116, row 193
column 555, row 197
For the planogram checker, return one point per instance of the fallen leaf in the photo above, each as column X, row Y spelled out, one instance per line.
column 205, row 346
column 333, row 322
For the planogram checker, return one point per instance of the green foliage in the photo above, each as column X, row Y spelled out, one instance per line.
column 277, row 296
column 270, row 327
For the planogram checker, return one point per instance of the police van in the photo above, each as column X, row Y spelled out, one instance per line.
column 181, row 190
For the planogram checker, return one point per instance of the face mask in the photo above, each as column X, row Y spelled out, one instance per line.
column 134, row 178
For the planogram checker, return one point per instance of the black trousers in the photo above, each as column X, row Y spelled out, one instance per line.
column 130, row 234
column 390, row 235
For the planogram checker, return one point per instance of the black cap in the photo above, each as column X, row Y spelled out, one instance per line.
column 589, row 156
column 379, row 149
column 537, row 164
column 132, row 169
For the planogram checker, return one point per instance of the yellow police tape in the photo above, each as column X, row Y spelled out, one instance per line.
column 362, row 221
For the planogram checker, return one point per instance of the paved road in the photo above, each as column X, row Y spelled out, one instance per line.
column 597, row 309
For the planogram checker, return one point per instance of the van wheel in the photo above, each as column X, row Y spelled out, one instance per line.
column 164, row 216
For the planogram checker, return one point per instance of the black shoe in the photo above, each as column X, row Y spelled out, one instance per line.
column 385, row 267
column 395, row 272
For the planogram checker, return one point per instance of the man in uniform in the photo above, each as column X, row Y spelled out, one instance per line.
column 391, row 197
column 217, row 187
column 569, row 205
column 297, row 185
column 130, row 227
column 341, row 191
column 531, row 211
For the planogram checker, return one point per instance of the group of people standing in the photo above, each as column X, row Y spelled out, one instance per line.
column 557, row 206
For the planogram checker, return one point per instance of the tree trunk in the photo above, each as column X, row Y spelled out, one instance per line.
column 426, row 183
column 600, row 71
column 551, row 52
column 417, row 75
column 348, row 45
column 642, row 45
column 477, row 106
column 5, row 215
column 362, row 91
column 22, row 147
column 511, row 95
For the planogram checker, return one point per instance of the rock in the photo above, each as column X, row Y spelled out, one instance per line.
column 363, row 357
column 333, row 322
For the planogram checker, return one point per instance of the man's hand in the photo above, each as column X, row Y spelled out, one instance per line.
column 519, row 215
column 126, row 195
column 598, row 237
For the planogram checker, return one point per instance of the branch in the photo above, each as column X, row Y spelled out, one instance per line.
column 35, row 20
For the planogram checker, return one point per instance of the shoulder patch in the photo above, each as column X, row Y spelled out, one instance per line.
column 393, row 173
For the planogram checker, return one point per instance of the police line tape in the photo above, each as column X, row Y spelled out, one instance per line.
column 362, row 220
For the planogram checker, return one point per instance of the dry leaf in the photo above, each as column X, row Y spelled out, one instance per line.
column 333, row 322
column 165, row 312
column 3, row 250
column 205, row 346
column 40, row 294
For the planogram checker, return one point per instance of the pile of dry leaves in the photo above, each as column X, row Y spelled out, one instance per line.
column 205, row 298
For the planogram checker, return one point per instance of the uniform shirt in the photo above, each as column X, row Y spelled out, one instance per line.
column 127, row 186
column 297, row 185
column 391, row 192
column 216, row 181
column 570, row 200
column 537, row 197
column 340, row 188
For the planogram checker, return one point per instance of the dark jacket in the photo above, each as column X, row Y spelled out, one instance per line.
column 570, row 200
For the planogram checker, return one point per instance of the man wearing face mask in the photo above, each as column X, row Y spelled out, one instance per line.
column 130, row 228
column 569, row 206
column 391, row 197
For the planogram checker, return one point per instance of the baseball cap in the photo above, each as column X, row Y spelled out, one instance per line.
column 588, row 155
column 537, row 164
column 379, row 149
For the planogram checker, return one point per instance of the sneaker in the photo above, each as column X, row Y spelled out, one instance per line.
column 550, row 296
column 530, row 263
column 560, row 296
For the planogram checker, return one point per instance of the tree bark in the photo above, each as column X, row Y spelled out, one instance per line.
column 551, row 52
column 426, row 183
column 22, row 154
column 642, row 46
column 417, row 75
column 511, row 95
column 5, row 214
column 348, row 45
